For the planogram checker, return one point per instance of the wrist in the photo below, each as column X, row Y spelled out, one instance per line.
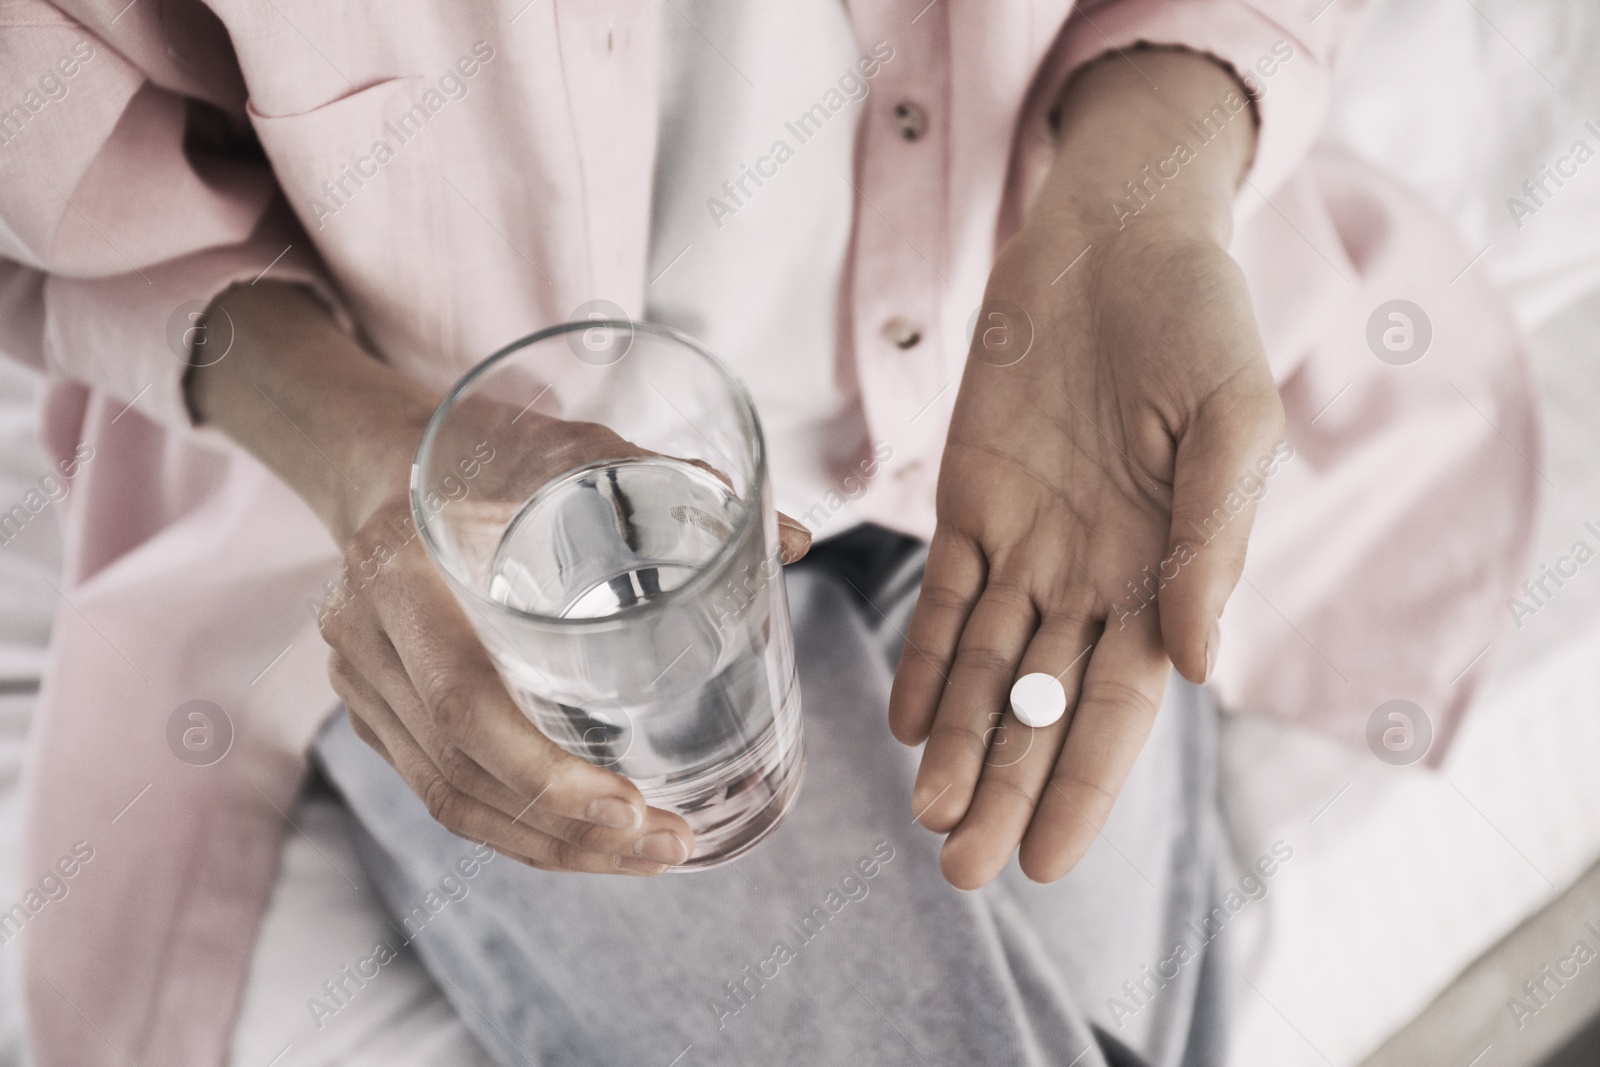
column 380, row 460
column 337, row 425
column 1159, row 139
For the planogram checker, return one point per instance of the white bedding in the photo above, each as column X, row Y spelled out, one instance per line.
column 1401, row 880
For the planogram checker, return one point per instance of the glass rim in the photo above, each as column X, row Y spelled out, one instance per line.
column 741, row 397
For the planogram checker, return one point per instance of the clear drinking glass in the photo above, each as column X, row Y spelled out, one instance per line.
column 596, row 495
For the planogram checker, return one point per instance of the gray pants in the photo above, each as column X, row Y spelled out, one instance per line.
column 836, row 941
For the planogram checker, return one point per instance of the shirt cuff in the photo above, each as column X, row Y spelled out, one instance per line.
column 1289, row 82
column 132, row 336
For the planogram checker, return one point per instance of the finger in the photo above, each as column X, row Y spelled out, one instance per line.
column 996, row 635
column 368, row 737
column 951, row 584
column 381, row 682
column 1222, row 464
column 464, row 815
column 365, row 668
column 794, row 540
column 1120, row 695
column 1020, row 760
column 466, row 700
column 363, row 731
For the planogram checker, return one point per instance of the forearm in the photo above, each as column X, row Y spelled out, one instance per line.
column 337, row 425
column 1160, row 135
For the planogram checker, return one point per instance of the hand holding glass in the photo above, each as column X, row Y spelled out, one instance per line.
column 597, row 497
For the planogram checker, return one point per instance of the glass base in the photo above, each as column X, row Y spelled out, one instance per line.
column 727, row 836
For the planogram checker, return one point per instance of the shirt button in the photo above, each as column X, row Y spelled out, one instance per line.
column 911, row 120
column 907, row 470
column 902, row 332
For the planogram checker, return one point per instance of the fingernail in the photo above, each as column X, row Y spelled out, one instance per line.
column 615, row 813
column 663, row 846
column 630, row 863
column 1213, row 639
column 785, row 523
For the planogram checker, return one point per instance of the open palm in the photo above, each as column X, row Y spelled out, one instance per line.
column 1079, row 533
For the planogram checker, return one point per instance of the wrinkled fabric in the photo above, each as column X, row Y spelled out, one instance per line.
column 562, row 970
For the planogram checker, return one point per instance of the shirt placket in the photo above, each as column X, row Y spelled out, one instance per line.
column 899, row 273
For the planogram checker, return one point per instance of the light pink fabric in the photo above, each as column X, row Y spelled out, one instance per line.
column 1405, row 511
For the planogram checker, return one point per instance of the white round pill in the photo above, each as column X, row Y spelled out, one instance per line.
column 1038, row 700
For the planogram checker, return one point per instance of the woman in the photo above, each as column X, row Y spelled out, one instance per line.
column 268, row 236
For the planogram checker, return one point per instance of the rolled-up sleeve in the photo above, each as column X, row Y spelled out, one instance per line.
column 114, row 189
column 1284, row 52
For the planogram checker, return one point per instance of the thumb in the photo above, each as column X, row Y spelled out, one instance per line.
column 794, row 540
column 1232, row 447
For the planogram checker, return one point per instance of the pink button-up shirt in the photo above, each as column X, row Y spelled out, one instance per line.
column 451, row 176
